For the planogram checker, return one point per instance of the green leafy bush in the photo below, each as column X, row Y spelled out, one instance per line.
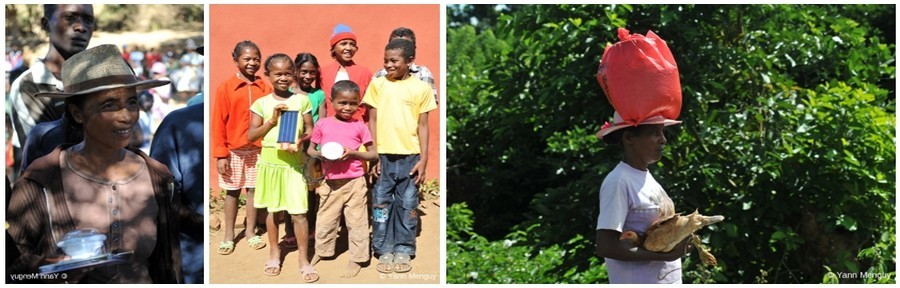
column 474, row 259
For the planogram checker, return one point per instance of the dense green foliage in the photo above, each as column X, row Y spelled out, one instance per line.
column 788, row 132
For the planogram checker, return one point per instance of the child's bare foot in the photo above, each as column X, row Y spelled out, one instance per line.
column 352, row 270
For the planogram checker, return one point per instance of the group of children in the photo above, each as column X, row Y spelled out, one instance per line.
column 382, row 124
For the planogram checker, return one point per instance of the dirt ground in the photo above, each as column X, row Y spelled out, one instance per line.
column 245, row 265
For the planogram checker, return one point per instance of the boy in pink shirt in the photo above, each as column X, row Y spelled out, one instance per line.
column 344, row 190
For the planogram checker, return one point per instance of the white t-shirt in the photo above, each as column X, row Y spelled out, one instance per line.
column 631, row 200
column 341, row 75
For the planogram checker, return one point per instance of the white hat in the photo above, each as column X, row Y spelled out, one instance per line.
column 158, row 68
column 618, row 123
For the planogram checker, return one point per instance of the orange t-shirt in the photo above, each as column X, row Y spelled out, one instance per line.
column 231, row 113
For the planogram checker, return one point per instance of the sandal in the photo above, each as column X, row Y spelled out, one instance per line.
column 401, row 259
column 273, row 267
column 256, row 242
column 226, row 247
column 308, row 270
column 385, row 263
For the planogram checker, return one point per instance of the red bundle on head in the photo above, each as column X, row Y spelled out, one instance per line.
column 640, row 78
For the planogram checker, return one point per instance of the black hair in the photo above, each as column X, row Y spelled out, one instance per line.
column 403, row 32
column 279, row 57
column 145, row 97
column 304, row 57
column 241, row 46
column 73, row 130
column 344, row 86
column 615, row 137
column 49, row 9
column 408, row 49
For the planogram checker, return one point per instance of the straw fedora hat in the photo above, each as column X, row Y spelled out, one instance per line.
column 98, row 69
column 618, row 123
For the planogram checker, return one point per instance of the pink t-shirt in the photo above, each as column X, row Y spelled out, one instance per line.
column 350, row 134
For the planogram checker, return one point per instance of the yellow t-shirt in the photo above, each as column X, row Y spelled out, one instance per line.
column 264, row 106
column 399, row 105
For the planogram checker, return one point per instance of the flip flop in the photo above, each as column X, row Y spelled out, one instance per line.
column 273, row 264
column 226, row 247
column 256, row 242
column 308, row 270
column 401, row 259
column 385, row 263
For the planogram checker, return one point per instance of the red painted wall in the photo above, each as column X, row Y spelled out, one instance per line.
column 291, row 29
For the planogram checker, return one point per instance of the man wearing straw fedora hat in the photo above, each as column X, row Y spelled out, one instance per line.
column 100, row 182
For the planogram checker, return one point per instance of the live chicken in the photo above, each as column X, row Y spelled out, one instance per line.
column 664, row 234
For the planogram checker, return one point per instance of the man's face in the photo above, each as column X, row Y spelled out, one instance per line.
column 70, row 28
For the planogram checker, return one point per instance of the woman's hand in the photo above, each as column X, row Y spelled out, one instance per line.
column 68, row 276
column 609, row 246
column 53, row 259
column 680, row 250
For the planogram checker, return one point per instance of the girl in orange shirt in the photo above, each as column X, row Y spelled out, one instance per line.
column 235, row 155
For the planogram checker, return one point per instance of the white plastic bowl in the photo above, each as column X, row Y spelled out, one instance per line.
column 332, row 150
column 83, row 243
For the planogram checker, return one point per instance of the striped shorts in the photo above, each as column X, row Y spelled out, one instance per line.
column 243, row 169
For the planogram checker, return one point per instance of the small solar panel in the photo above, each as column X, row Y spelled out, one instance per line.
column 287, row 127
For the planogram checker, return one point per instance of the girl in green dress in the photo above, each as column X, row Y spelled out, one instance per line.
column 280, row 185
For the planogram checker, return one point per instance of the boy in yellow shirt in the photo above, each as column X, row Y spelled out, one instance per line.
column 398, row 121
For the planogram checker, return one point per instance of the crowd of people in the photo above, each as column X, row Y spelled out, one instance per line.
column 75, row 121
column 110, row 140
column 379, row 120
column 182, row 67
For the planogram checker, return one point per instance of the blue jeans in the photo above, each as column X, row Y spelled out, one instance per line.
column 395, row 199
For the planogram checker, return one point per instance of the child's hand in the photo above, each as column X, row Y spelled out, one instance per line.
column 303, row 138
column 222, row 166
column 290, row 147
column 276, row 112
column 375, row 169
column 419, row 171
column 347, row 153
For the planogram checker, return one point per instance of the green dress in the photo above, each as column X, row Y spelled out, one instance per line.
column 280, row 185
column 316, row 97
